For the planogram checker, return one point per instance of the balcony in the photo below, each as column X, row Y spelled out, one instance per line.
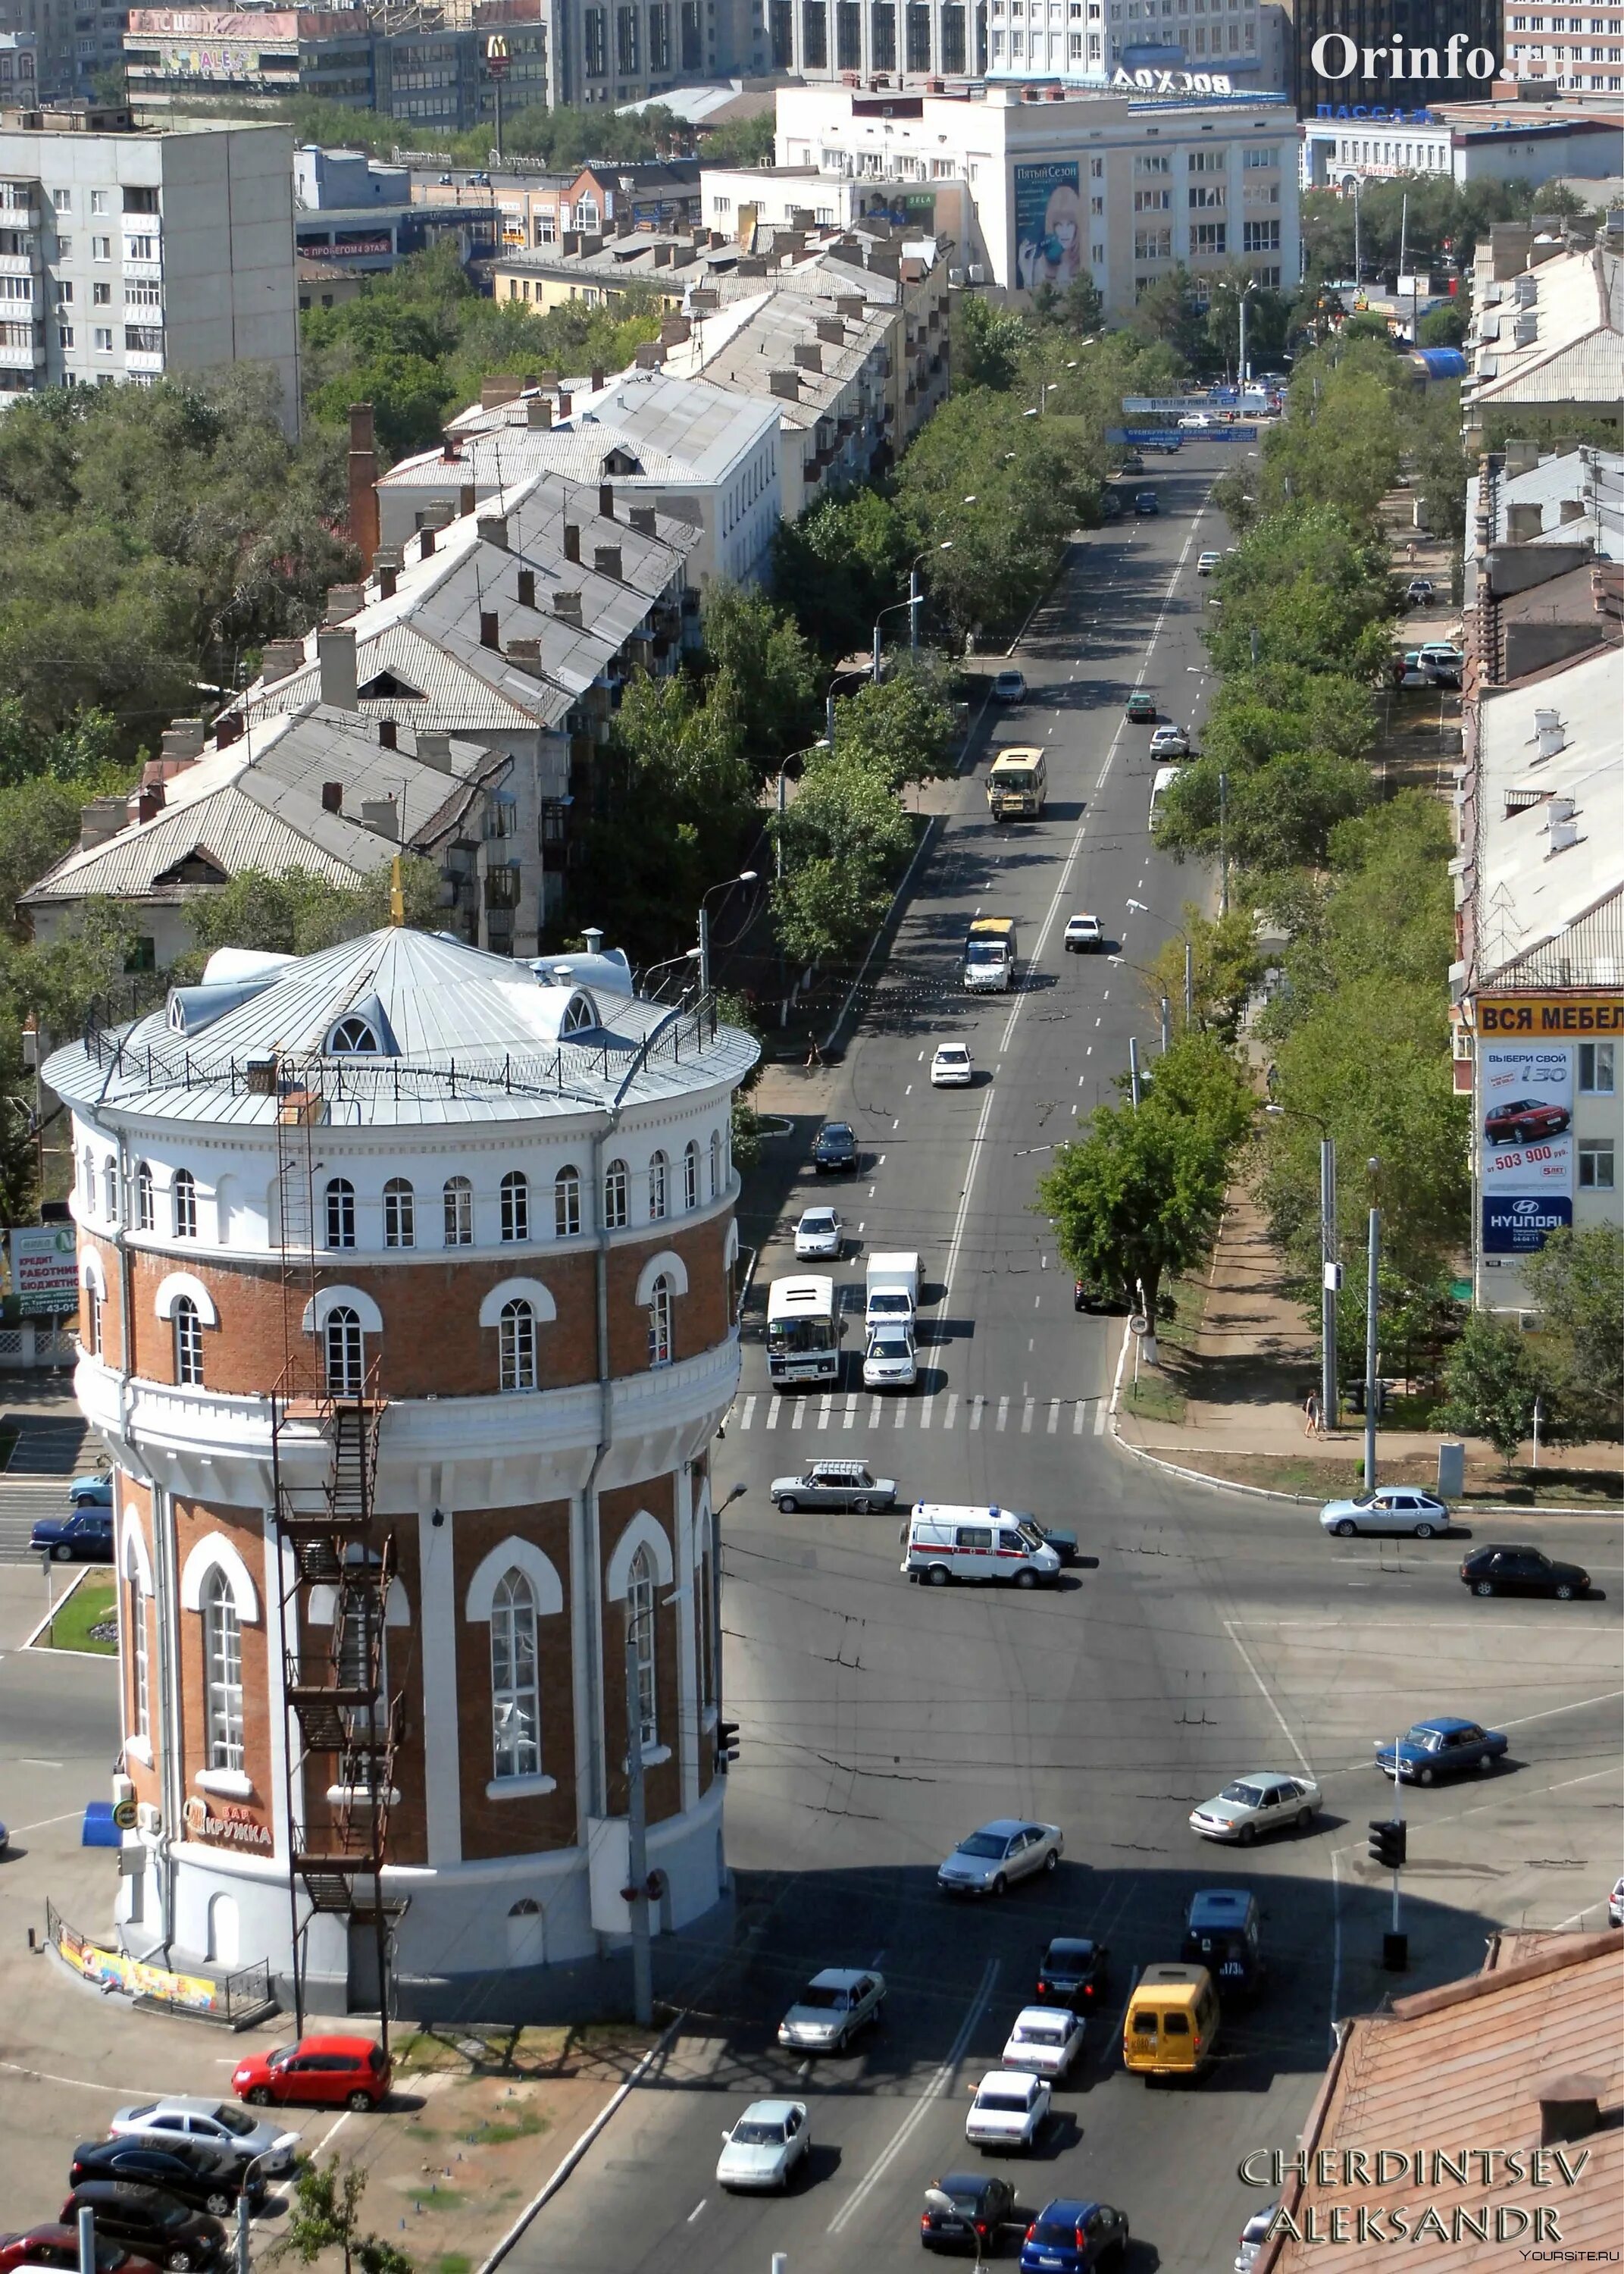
column 143, row 359
column 19, row 264
column 142, row 312
column 28, row 356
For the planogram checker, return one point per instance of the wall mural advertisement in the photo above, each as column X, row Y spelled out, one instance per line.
column 1526, row 1103
column 1048, row 225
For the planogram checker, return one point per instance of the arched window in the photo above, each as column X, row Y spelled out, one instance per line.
column 690, row 1175
column 92, row 1322
column 135, row 1630
column 659, row 1323
column 345, row 1352
column 515, row 1196
column 222, row 1662
column 716, row 1164
column 351, row 1037
column 186, row 1195
column 341, row 1212
column 362, row 1662
column 517, row 1329
column 640, row 1618
column 515, row 1705
column 110, row 1185
column 88, row 1177
column 188, row 1343
column 616, row 1206
column 400, row 1228
column 146, row 1212
column 459, row 1198
column 659, row 1179
column 566, row 1203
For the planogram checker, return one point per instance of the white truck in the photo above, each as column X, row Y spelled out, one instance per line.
column 893, row 1290
column 990, row 955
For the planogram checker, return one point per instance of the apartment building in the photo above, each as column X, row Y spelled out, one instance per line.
column 129, row 255
column 72, row 41
column 623, row 51
column 1544, row 49
column 1547, row 336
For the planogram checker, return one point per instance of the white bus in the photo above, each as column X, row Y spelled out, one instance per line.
column 803, row 1330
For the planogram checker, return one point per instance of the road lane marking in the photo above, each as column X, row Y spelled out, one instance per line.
column 775, row 1406
column 964, row 1201
column 1004, row 1414
column 977, row 1406
column 824, row 1404
column 703, row 2200
column 952, row 1408
column 1054, row 1415
column 748, row 1415
column 1263, row 1691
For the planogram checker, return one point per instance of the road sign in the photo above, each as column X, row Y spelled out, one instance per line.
column 124, row 1815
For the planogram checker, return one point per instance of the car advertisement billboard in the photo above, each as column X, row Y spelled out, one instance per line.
column 1048, row 225
column 1525, row 1130
column 1519, row 1223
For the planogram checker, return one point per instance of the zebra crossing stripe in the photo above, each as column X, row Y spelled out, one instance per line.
column 932, row 1411
column 1026, row 1413
column 1077, row 1412
column 824, row 1404
column 1054, row 1415
column 874, row 1417
column 924, row 1412
column 977, row 1406
column 798, row 1418
column 774, row 1409
column 748, row 1414
column 952, row 1408
column 1004, row 1414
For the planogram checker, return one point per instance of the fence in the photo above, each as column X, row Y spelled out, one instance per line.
column 233, row 2001
column 28, row 1345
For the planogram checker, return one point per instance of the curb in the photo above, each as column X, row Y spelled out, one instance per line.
column 78, row 1581
column 1314, row 1500
column 555, row 2179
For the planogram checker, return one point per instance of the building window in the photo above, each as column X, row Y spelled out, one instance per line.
column 516, row 1205
column 1595, row 1164
column 188, row 1343
column 185, row 1199
column 135, row 1626
column 101, row 339
column 595, row 42
column 640, row 1620
column 222, row 1658
column 345, row 1352
column 566, row 1203
column 616, row 1207
column 110, row 1185
column 88, row 1178
column 517, row 1329
column 93, row 1322
column 101, row 248
column 1596, row 1068
column 690, row 1175
column 659, row 1323
column 716, row 1164
column 340, row 1213
column 146, row 1209
column 399, row 1214
column 659, row 1198
column 515, row 1703
column 459, row 1199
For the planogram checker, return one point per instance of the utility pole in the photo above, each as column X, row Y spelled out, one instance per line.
column 1330, row 1274
column 1223, row 845
column 1167, row 1021
column 1189, row 986
column 828, row 720
column 1133, row 1070
column 777, row 847
column 637, row 1838
column 1358, row 271
column 914, row 597
column 704, row 951
column 876, row 668
column 1371, row 1300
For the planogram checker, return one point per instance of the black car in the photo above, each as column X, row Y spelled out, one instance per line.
column 1074, row 1973
column 1523, row 1572
column 983, row 2206
column 151, row 2221
column 190, row 2170
column 83, row 1536
column 834, row 1148
column 1146, row 501
column 1064, row 1543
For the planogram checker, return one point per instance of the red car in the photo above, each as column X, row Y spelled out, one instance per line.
column 1524, row 1119
column 59, row 2246
column 316, row 2072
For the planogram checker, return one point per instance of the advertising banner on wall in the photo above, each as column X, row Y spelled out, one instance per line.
column 44, row 1270
column 1518, row 1224
column 1048, row 225
column 1525, row 1135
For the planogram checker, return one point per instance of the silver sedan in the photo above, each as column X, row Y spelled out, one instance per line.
column 1264, row 1800
column 992, row 1859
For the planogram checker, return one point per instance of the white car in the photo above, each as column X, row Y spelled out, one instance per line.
column 1084, row 936
column 1009, row 687
column 831, row 2010
column 951, row 1067
column 1390, row 1507
column 765, row 2146
column 818, row 1233
column 220, row 2123
column 1007, row 1849
column 1193, row 421
column 890, row 1361
column 1170, row 742
column 1045, row 2041
column 1264, row 1800
column 1010, row 2109
column 1206, row 562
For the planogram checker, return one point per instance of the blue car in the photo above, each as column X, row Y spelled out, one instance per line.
column 1071, row 2237
column 94, row 1491
column 1146, row 501
column 1440, row 1748
column 83, row 1536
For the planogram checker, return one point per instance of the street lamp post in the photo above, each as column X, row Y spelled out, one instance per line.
column 1330, row 1268
column 1372, row 1261
column 1244, row 374
column 744, row 876
column 1144, row 909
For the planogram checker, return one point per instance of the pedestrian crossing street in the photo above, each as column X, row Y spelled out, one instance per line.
column 836, row 1409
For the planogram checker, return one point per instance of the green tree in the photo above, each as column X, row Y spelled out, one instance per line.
column 1168, row 311
column 1279, row 815
column 297, row 913
column 902, row 729
column 987, row 344
column 846, row 840
column 327, row 2215
column 1138, row 1199
column 841, row 563
column 1445, row 327
column 1225, row 965
column 771, row 664
column 1491, row 1379
column 1577, row 1284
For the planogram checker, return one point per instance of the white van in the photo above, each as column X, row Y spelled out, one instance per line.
column 891, row 1290
column 1166, row 776
column 943, row 1542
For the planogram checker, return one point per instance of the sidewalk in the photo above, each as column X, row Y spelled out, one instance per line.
column 1227, row 1401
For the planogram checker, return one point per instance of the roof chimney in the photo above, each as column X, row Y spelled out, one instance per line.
column 607, row 560
column 101, row 821
column 386, row 582
column 1569, row 2108
column 540, row 412
column 439, row 514
column 434, row 749
column 527, row 587
column 593, row 936
column 426, row 537
column 605, row 500
column 363, row 483
column 490, row 635
column 597, row 379
column 227, row 729
column 641, row 519
column 382, row 817
column 335, row 654
column 449, row 449
column 181, row 740
column 146, row 802
column 1573, row 508
column 568, row 605
column 344, row 602
column 526, row 653
column 331, row 797
column 492, row 528
column 572, row 540
column 388, row 738
column 1524, row 519
column 565, row 400
column 279, row 658
column 468, row 498
column 786, row 383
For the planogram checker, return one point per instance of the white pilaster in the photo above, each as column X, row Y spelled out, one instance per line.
column 688, row 1662
column 440, row 1637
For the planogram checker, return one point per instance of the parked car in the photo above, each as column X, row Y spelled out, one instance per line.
column 950, row 1067
column 203, row 2178
column 1075, row 1971
column 834, row 1148
column 1170, row 742
column 834, row 1484
column 149, row 2220
column 1264, row 1800
column 95, row 1491
column 1073, row 2236
column 819, row 1232
column 979, row 2207
column 1419, row 590
column 1044, row 2041
column 1141, row 709
column 218, row 2123
column 1615, row 1904
column 992, row 1859
column 1084, row 936
column 57, row 2246
column 1146, row 501
column 1496, row 1571
column 764, row 2148
column 1206, row 562
column 831, row 2009
column 1194, row 422
column 1522, row 1119
column 1443, row 1746
column 1063, row 1542
column 1009, row 687
column 316, row 2073
column 1390, row 1507
column 84, row 1535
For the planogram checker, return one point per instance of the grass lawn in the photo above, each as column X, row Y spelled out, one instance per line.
column 1154, row 1398
column 8, row 1442
column 94, row 1602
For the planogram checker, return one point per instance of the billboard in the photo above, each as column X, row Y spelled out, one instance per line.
column 45, row 1271
column 1048, row 225
column 1525, row 1101
column 1517, row 1225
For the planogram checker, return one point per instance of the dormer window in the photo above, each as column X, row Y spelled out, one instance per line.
column 353, row 1037
column 579, row 1016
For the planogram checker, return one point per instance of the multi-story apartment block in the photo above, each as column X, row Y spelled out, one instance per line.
column 129, row 255
column 75, row 42
column 618, row 51
column 1545, row 49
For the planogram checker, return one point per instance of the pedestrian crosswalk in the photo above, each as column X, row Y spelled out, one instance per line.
column 946, row 1411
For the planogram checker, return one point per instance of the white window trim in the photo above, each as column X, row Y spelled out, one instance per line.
column 668, row 1264
column 643, row 1530
column 509, row 1555
column 130, row 1544
column 91, row 1275
column 180, row 1284
column 524, row 1788
column 518, row 1291
column 328, row 1299
column 230, row 1784
column 322, row 1608
column 215, row 1549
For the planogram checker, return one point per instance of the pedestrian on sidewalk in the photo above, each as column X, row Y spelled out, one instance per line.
column 1311, row 1417
column 814, row 1057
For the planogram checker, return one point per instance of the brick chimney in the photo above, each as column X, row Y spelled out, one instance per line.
column 641, row 519
column 336, row 652
column 605, row 500
column 540, row 412
column 387, row 737
column 527, row 587
column 490, row 631
column 572, row 540
column 468, row 498
column 331, row 797
column 279, row 658
column 344, row 602
column 607, row 560
column 492, row 528
column 597, row 379
column 363, row 483
column 565, row 400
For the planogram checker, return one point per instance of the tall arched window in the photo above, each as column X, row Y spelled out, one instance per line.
column 400, row 1214
column 185, row 1197
column 362, row 1639
column 145, row 1211
column 345, row 1352
column 135, row 1630
column 640, row 1618
column 341, row 1212
column 188, row 1343
column 515, row 1705
column 690, row 1175
column 566, row 1203
column 660, row 1180
column 93, row 1322
column 659, row 1323
column 615, row 1203
column 109, row 1188
column 88, row 1177
column 517, row 1330
column 459, row 1198
column 716, row 1164
column 223, row 1661
column 516, row 1197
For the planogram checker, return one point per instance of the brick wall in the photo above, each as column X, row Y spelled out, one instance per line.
column 244, row 1528
column 547, row 1820
column 662, row 1785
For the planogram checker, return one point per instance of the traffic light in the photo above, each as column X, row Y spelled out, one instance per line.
column 1387, row 1843
column 726, row 1743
